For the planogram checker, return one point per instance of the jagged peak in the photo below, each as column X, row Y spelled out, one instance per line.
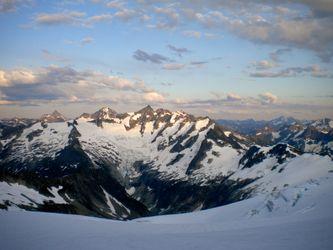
column 104, row 113
column 162, row 111
column 55, row 116
column 284, row 119
column 107, row 110
column 146, row 109
column 56, row 113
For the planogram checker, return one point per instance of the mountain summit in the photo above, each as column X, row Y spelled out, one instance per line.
column 148, row 162
column 53, row 117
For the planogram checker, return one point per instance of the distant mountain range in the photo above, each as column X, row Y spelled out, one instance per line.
column 308, row 136
column 128, row 165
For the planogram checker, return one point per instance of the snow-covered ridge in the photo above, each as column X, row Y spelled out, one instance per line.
column 146, row 135
column 40, row 141
column 158, row 160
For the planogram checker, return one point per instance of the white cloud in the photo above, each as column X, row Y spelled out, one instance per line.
column 233, row 97
column 125, row 14
column 116, row 4
column 154, row 97
column 268, row 98
column 98, row 18
column 73, row 17
column 69, row 85
column 18, row 76
column 168, row 17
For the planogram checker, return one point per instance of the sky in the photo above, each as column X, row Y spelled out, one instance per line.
column 224, row 59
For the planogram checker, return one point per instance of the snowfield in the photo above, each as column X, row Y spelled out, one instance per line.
column 300, row 217
column 290, row 193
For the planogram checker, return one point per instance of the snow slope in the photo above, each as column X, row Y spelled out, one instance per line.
column 16, row 194
column 122, row 142
column 306, row 224
column 147, row 162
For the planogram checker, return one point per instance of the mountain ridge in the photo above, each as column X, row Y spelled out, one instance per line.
column 140, row 163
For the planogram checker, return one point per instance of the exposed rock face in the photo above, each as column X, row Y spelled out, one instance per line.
column 129, row 165
column 54, row 117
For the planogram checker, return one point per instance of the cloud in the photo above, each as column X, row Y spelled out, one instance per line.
column 192, row 33
column 12, row 5
column 314, row 71
column 125, row 14
column 319, row 8
column 141, row 55
column 66, row 84
column 173, row 66
column 198, row 64
column 233, row 97
column 145, row 18
column 33, row 92
column 168, row 17
column 73, row 18
column 87, row 40
column 154, row 97
column 302, row 24
column 264, row 64
column 317, row 71
column 8, row 5
column 275, row 56
column 97, row 18
column 305, row 33
column 178, row 51
column 273, row 62
column 167, row 84
column 116, row 4
column 211, row 35
column 18, row 76
column 48, row 56
column 268, row 98
column 231, row 102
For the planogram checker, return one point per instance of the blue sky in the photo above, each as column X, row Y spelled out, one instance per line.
column 226, row 59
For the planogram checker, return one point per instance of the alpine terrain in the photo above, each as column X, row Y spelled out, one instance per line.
column 153, row 162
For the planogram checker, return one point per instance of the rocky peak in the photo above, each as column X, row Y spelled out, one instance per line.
column 54, row 117
column 324, row 125
column 161, row 111
column 104, row 113
column 255, row 155
column 146, row 110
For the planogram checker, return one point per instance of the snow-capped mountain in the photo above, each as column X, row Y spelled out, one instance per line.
column 10, row 128
column 307, row 136
column 127, row 165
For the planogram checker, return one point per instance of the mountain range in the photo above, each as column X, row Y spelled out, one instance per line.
column 152, row 162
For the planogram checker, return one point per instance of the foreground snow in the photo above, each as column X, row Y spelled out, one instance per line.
column 296, row 218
